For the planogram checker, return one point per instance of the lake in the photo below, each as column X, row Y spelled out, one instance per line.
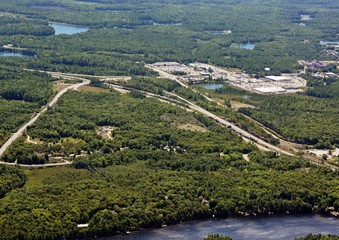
column 279, row 227
column 213, row 86
column 61, row 28
column 12, row 54
column 249, row 46
column 328, row 43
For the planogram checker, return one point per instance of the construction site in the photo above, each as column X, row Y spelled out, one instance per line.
column 202, row 72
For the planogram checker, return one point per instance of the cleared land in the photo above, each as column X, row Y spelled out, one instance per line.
column 192, row 127
column 93, row 89
column 237, row 105
column 200, row 72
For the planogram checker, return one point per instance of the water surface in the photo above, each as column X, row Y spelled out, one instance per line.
column 249, row 46
column 61, row 28
column 250, row 228
column 330, row 43
column 12, row 54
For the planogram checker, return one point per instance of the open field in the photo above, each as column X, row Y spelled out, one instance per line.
column 93, row 89
column 192, row 127
column 37, row 177
column 237, row 105
column 60, row 85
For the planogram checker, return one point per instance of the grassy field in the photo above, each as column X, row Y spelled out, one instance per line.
column 36, row 177
column 93, row 89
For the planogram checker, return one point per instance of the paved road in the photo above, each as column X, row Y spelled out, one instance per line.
column 164, row 74
column 245, row 135
column 23, row 128
column 248, row 137
column 233, row 127
column 265, row 146
column 260, row 143
column 191, row 106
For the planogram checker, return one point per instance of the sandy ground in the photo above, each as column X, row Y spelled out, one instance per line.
column 105, row 132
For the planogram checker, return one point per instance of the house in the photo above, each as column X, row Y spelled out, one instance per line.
column 167, row 148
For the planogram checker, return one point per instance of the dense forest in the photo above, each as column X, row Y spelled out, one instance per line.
column 11, row 178
column 11, row 26
column 21, row 95
column 131, row 196
column 319, row 237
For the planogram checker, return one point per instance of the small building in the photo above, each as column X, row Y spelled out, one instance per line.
column 205, row 74
column 167, row 148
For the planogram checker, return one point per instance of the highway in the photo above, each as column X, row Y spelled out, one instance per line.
column 248, row 136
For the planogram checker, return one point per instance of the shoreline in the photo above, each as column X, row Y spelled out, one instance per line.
column 210, row 219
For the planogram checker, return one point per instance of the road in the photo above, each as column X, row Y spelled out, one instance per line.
column 233, row 127
column 248, row 137
column 164, row 74
column 23, row 128
column 190, row 106
column 65, row 163
column 287, row 148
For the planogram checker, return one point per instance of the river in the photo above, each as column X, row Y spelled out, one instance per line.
column 275, row 227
